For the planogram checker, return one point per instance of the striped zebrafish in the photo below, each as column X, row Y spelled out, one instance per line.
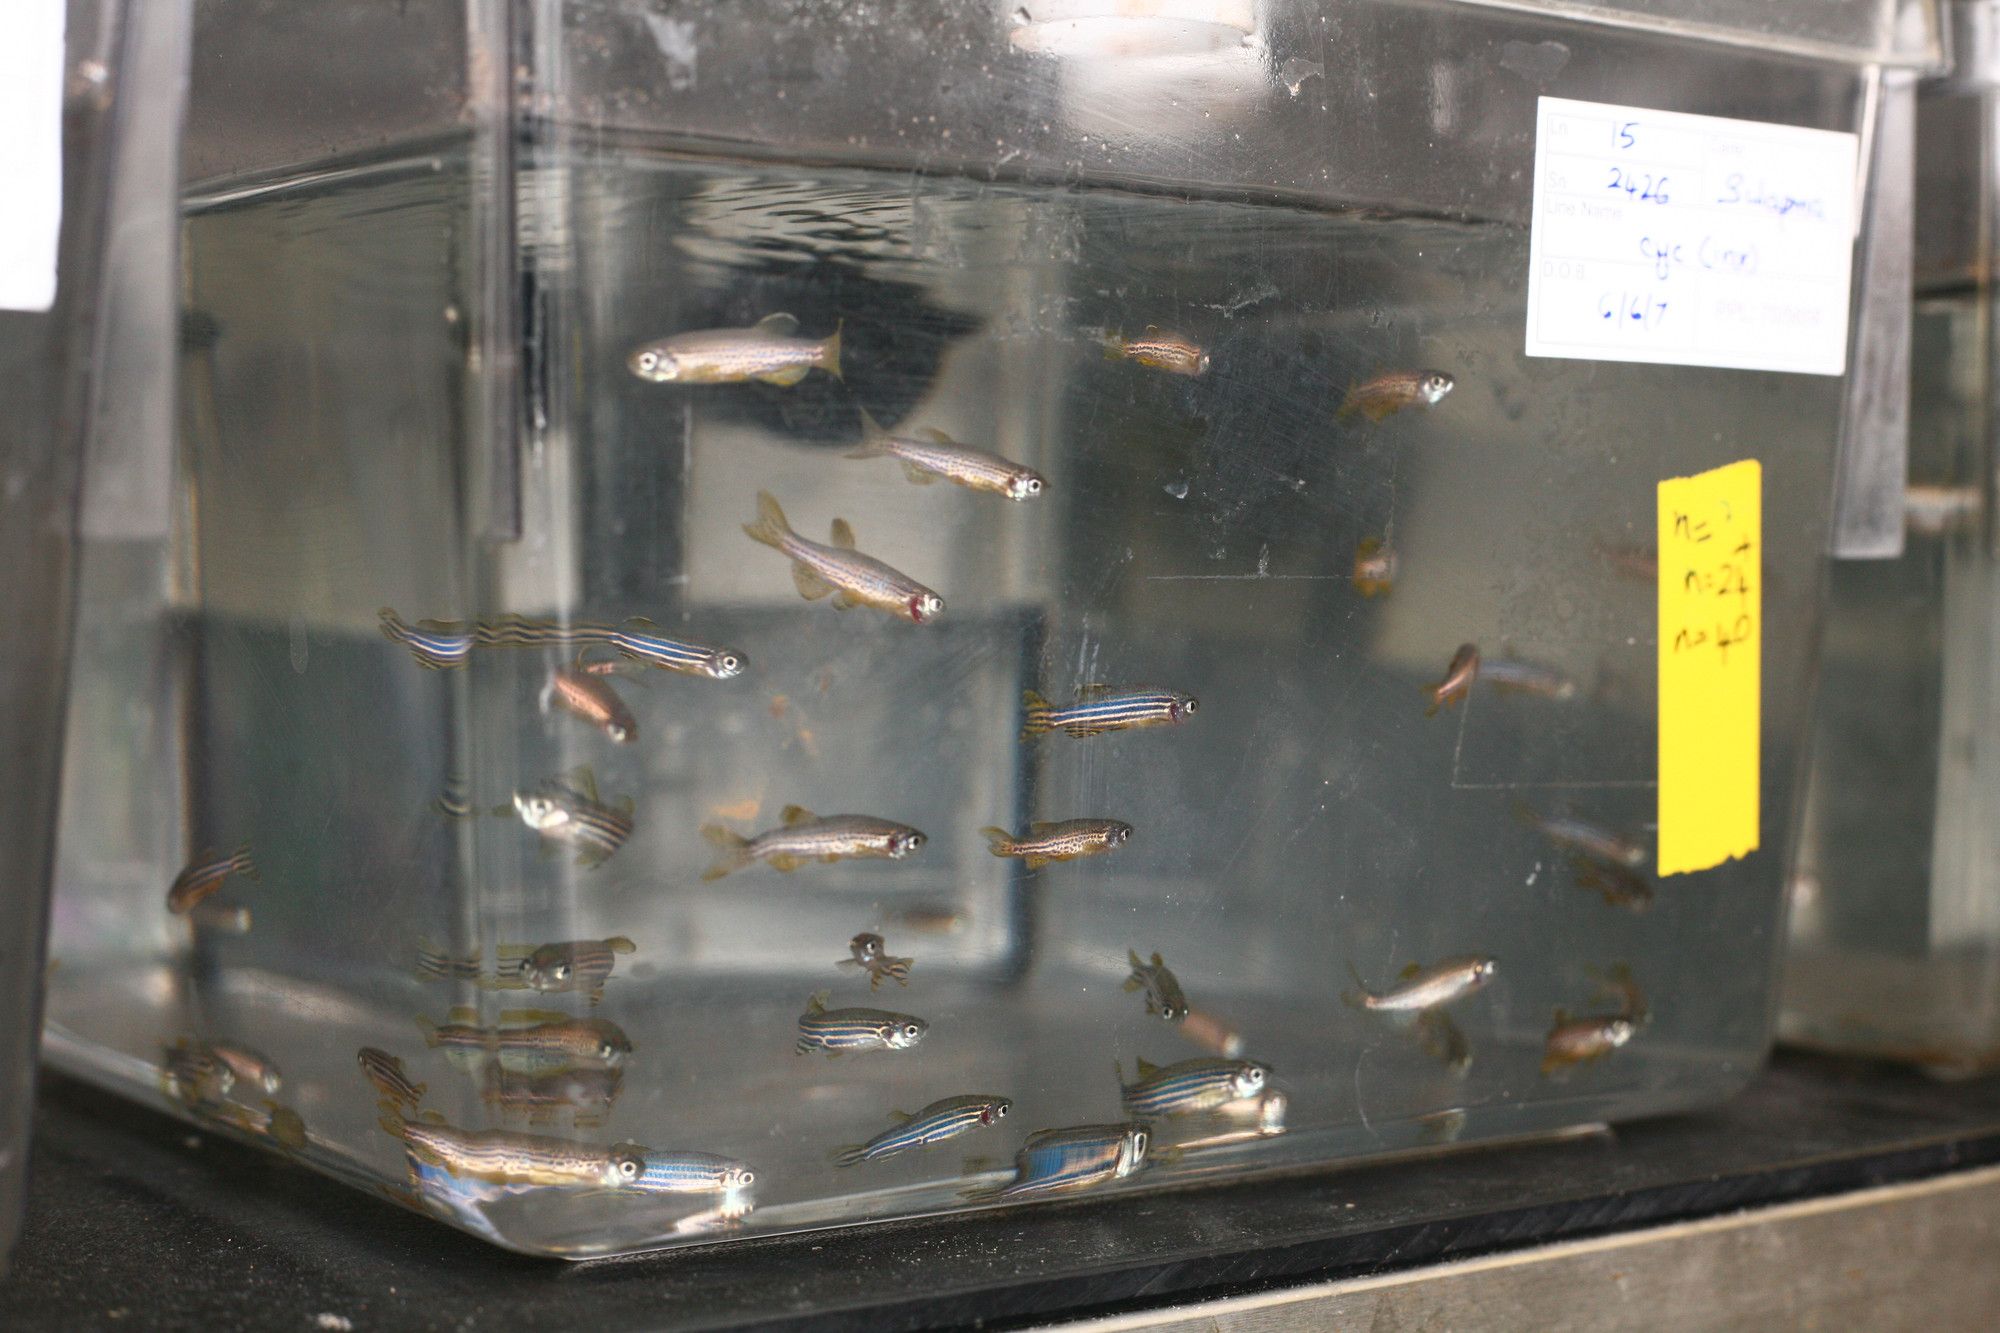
column 574, row 815
column 803, row 836
column 1159, row 349
column 385, row 1071
column 504, row 1157
column 1099, row 709
column 935, row 454
column 513, row 631
column 640, row 639
column 587, row 1093
column 1200, row 1084
column 434, row 964
column 527, row 1041
column 436, row 644
column 690, row 1172
column 861, row 580
column 204, row 877
column 1420, row 988
column 1063, row 840
column 1584, row 838
column 769, row 351
column 574, row 965
column 838, row 1031
column 871, row 953
column 1058, row 1160
column 941, row 1120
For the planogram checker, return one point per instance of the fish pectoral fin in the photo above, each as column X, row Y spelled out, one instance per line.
column 1132, row 984
column 1090, row 688
column 1377, row 409
column 1039, row 827
column 793, row 815
column 620, row 944
column 845, row 601
column 918, row 475
column 842, row 534
column 1036, row 862
column 786, row 377
column 1409, row 970
column 901, row 1117
column 1562, row 1016
column 1147, row 1068
column 778, row 323
column 584, row 779
column 784, row 863
column 1081, row 732
column 810, row 585
column 828, row 858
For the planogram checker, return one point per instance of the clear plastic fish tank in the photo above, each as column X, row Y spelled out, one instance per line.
column 611, row 803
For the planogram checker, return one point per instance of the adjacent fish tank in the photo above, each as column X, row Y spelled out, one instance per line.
column 758, row 619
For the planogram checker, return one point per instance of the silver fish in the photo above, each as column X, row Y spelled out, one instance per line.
column 692, row 1173
column 1201, row 1084
column 503, row 1157
column 1061, row 840
column 936, row 455
column 205, row 876
column 941, row 1120
column 769, row 351
column 854, row 579
column 1575, row 1041
column 1457, row 682
column 1571, row 834
column 1099, row 709
column 1421, row 988
column 1163, row 989
column 804, row 836
column 838, row 1031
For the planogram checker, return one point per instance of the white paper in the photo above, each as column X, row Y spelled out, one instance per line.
column 1690, row 240
column 31, row 93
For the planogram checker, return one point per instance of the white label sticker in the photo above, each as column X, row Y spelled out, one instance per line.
column 31, row 103
column 1689, row 240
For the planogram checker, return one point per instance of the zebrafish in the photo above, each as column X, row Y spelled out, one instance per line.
column 769, row 351
column 640, row 640
column 871, row 953
column 691, row 1173
column 1617, row 885
column 589, row 696
column 1421, row 988
column 1200, row 1084
column 936, row 455
column 854, row 579
column 837, row 1031
column 385, row 1071
column 1526, row 678
column 574, row 965
column 504, row 1157
column 1374, row 568
column 194, row 1075
column 1160, row 350
column 941, row 1120
column 1055, row 1161
column 1060, row 840
column 1099, row 709
column 1584, row 838
column 454, row 800
column 528, row 1041
column 1163, row 989
column 1575, row 1041
column 574, row 815
column 436, row 644
column 803, row 836
column 587, row 1092
column 434, row 964
column 249, row 1066
column 512, row 631
column 1394, row 390
column 226, row 920
column 1443, row 1040
column 1616, row 983
column 204, row 877
column 1457, row 682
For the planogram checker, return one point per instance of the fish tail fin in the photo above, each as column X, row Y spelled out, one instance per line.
column 1350, row 404
column 1114, row 346
column 874, row 440
column 898, row 970
column 770, row 527
column 1037, row 714
column 1356, row 998
column 1525, row 813
column 849, row 1153
column 393, row 628
column 1436, row 696
column 241, row 862
column 430, row 1031
column 735, row 851
column 829, row 350
column 998, row 840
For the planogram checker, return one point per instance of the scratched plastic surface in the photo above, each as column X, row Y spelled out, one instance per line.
column 1198, row 534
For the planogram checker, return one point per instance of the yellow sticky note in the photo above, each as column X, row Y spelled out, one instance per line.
column 1711, row 665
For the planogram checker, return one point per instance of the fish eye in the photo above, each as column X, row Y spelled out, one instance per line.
column 1033, row 485
column 629, row 1168
column 1256, row 1074
column 606, row 1051
column 1189, row 705
column 729, row 664
column 1000, row 1110
column 1139, row 1142
column 619, row 734
column 648, row 360
column 912, row 1031
column 560, row 971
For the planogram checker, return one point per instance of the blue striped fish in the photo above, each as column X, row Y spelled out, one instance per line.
column 1200, row 1084
column 941, row 1120
column 838, row 1031
column 204, row 877
column 690, row 1172
column 1058, row 1160
column 513, row 631
column 1099, row 709
column 561, row 812
column 640, row 639
column 436, row 644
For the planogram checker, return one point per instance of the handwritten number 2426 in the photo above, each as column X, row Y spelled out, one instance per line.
column 1641, row 185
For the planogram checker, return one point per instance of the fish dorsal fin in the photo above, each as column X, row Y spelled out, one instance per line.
column 625, row 806
column 901, row 1117
column 794, row 815
column 1039, row 827
column 642, row 622
column 780, row 323
column 619, row 944
column 1157, row 960
column 1562, row 1017
column 1152, row 330
column 843, row 535
column 431, row 1117
column 506, row 952
column 1409, row 970
column 936, row 436
column 1090, row 689
column 533, row 1016
column 1147, row 1068
column 584, row 780
column 816, row 1002
column 463, row 1013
